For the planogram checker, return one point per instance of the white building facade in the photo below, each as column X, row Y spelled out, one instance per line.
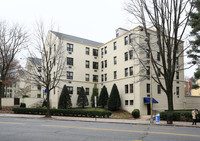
column 115, row 62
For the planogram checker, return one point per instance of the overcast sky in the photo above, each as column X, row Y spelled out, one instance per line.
column 91, row 19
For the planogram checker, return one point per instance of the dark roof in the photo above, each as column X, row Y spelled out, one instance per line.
column 36, row 61
column 77, row 39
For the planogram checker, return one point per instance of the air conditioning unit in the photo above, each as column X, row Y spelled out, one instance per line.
column 70, row 66
column 95, row 70
column 69, row 81
column 102, row 70
column 95, row 57
column 70, row 52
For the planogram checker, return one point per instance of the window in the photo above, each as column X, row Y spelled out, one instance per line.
column 126, row 89
column 105, row 77
column 70, row 47
column 39, row 87
column 78, row 90
column 126, row 40
column 95, row 65
column 39, row 69
column 115, row 45
column 126, row 56
column 102, row 76
column 87, row 64
column 131, row 71
column 131, row 102
column 158, row 56
column 102, row 51
column 95, row 78
column 126, row 71
column 126, row 102
column 70, row 61
column 105, row 50
column 147, row 53
column 69, row 75
column 70, row 89
column 131, row 88
column 115, row 74
column 177, row 92
column 87, row 51
column 87, row 91
column 131, row 54
column 177, row 75
column 148, row 88
column 102, row 65
column 158, row 72
column 105, row 63
column 130, row 38
column 147, row 70
column 159, row 89
column 95, row 52
column 38, row 95
column 87, row 77
column 115, row 60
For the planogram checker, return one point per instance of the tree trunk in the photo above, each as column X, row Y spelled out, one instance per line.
column 1, row 94
column 48, row 114
column 170, row 99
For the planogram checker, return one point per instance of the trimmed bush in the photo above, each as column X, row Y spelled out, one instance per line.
column 114, row 101
column 63, row 112
column 22, row 105
column 94, row 93
column 65, row 99
column 82, row 99
column 103, row 98
column 136, row 113
column 178, row 115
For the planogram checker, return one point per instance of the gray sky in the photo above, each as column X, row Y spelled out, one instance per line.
column 91, row 19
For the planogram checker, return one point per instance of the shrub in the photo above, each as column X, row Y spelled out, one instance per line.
column 136, row 113
column 62, row 112
column 103, row 98
column 44, row 104
column 114, row 101
column 65, row 99
column 22, row 105
column 82, row 99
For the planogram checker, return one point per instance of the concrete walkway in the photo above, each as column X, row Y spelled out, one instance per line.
column 144, row 120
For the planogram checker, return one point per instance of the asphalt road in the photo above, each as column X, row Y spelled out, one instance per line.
column 22, row 129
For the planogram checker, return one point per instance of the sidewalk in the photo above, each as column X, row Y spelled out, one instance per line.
column 142, row 121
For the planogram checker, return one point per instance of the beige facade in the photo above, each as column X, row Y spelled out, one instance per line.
column 117, row 63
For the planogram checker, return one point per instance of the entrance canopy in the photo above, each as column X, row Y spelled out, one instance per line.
column 148, row 99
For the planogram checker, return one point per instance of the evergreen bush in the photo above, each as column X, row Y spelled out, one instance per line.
column 82, row 99
column 103, row 98
column 94, row 93
column 65, row 99
column 136, row 113
column 114, row 101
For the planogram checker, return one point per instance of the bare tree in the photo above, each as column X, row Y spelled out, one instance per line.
column 48, row 70
column 12, row 41
column 170, row 19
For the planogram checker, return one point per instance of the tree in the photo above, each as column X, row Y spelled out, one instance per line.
column 103, row 98
column 94, row 93
column 48, row 71
column 12, row 40
column 195, row 24
column 65, row 99
column 82, row 99
column 170, row 19
column 114, row 101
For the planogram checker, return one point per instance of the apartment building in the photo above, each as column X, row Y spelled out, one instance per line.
column 116, row 62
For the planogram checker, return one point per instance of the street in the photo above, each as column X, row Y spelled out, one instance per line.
column 25, row 129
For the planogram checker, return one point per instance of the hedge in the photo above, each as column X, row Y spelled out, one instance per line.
column 178, row 115
column 62, row 112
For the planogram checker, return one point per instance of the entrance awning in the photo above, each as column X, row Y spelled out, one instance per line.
column 148, row 99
